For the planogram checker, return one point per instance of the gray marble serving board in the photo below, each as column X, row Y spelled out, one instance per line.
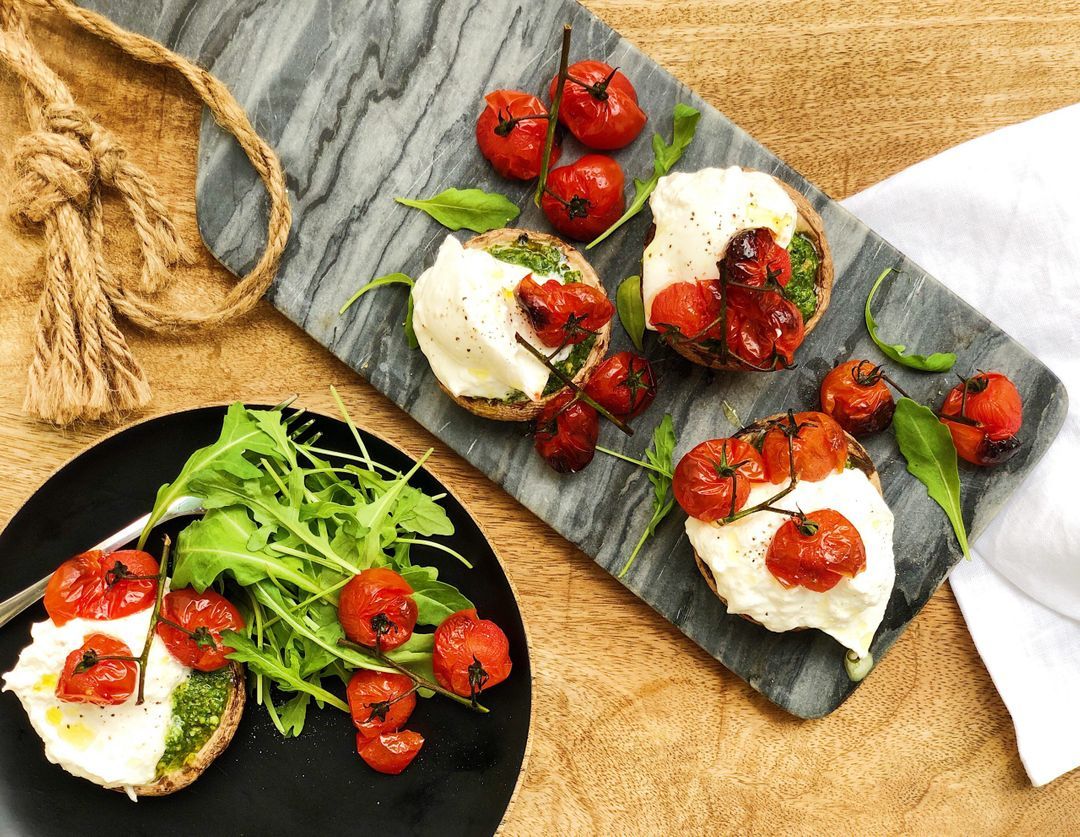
column 368, row 100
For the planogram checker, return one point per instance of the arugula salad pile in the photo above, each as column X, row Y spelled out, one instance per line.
column 287, row 525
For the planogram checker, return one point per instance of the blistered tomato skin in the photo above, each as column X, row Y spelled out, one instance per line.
column 470, row 654
column 583, row 199
column 856, row 396
column 686, row 310
column 984, row 414
column 713, row 480
column 514, row 148
column 563, row 314
column 565, row 433
column 205, row 615
column 98, row 585
column 599, row 106
column 380, row 702
column 624, row 385
column 86, row 678
column 819, row 445
column 377, row 610
column 816, row 551
column 390, row 752
column 754, row 258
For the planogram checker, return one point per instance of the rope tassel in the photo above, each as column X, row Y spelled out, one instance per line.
column 82, row 367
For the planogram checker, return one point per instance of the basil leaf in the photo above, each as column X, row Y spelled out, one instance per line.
column 937, row 362
column 928, row 448
column 631, row 308
column 471, row 209
column 381, row 282
column 684, row 124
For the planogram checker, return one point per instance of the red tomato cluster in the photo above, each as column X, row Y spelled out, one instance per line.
column 818, row 447
column 816, row 550
column 566, row 431
column 191, row 624
column 743, row 315
column 600, row 108
column 563, row 314
column 380, row 704
column 99, row 585
column 713, row 480
column 511, row 131
column 984, row 413
column 377, row 610
column 90, row 676
column 857, row 396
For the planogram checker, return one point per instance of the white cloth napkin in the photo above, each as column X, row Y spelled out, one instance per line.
column 997, row 219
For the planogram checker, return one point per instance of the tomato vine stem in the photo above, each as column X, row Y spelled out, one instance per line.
column 568, row 381
column 144, row 657
column 421, row 682
column 553, row 114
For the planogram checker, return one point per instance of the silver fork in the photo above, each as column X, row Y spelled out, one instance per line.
column 182, row 507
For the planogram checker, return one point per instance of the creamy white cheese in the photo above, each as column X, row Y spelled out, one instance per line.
column 465, row 317
column 696, row 216
column 113, row 746
column 852, row 610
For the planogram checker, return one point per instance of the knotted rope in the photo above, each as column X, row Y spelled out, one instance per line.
column 82, row 367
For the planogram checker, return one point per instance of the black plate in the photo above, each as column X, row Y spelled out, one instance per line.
column 461, row 782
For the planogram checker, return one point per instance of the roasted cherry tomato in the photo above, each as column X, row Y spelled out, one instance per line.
column 856, row 395
column 764, row 329
column 623, row 384
column 563, row 315
column 818, row 442
column 390, row 752
column 816, row 551
column 754, row 258
column 566, row 432
column 599, row 105
column 713, row 480
column 983, row 414
column 191, row 625
column 470, row 655
column 377, row 609
column 380, row 702
column 584, row 198
column 99, row 585
column 687, row 311
column 90, row 678
column 511, row 132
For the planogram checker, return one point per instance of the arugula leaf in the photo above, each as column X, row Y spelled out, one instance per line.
column 435, row 600
column 218, row 544
column 937, row 362
column 269, row 665
column 631, row 308
column 382, row 282
column 240, row 434
column 471, row 209
column 928, row 448
column 294, row 713
column 659, row 457
column 684, row 124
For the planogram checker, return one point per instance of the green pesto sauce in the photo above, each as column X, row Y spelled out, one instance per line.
column 802, row 289
column 197, row 707
column 537, row 257
column 571, row 365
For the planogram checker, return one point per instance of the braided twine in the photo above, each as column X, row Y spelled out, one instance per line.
column 82, row 367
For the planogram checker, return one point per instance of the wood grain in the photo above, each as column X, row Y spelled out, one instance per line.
column 637, row 730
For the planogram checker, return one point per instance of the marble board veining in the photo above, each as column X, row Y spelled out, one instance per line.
column 368, row 100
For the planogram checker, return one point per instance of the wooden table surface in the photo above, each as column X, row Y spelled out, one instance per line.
column 635, row 728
